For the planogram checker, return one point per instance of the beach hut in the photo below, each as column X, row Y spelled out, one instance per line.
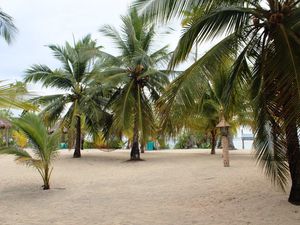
column 5, row 126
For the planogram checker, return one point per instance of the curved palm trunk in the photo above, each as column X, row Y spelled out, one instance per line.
column 293, row 154
column 77, row 152
column 46, row 185
column 128, row 143
column 135, row 151
column 213, row 142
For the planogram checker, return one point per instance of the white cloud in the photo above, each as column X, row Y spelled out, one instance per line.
column 42, row 22
column 51, row 21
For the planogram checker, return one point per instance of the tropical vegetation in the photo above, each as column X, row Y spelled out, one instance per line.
column 139, row 79
column 251, row 76
column 7, row 27
column 264, row 38
column 44, row 147
column 84, row 98
column 195, row 100
column 12, row 96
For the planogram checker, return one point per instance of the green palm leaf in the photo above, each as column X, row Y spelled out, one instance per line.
column 7, row 27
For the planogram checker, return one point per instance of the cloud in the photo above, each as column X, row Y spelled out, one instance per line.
column 51, row 22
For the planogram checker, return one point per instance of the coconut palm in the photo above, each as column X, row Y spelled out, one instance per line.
column 137, row 77
column 7, row 27
column 198, row 106
column 44, row 146
column 84, row 99
column 264, row 36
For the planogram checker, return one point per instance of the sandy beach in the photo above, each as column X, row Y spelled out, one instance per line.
column 168, row 188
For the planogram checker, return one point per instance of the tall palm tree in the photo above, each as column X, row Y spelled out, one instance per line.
column 84, row 99
column 7, row 27
column 137, row 76
column 44, row 146
column 264, row 37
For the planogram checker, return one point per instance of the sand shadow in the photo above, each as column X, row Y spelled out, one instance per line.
column 28, row 192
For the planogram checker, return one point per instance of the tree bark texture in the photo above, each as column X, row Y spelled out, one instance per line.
column 77, row 151
column 213, row 142
column 135, row 150
column 225, row 144
column 293, row 154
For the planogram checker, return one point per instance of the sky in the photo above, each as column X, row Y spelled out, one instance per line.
column 55, row 21
column 44, row 22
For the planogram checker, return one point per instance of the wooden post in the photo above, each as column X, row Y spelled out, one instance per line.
column 225, row 151
column 224, row 126
column 6, row 137
column 243, row 144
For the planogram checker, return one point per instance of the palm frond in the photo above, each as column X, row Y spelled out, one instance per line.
column 7, row 27
column 270, row 146
column 11, row 96
column 33, row 128
column 218, row 23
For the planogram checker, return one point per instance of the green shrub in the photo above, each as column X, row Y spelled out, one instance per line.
column 189, row 140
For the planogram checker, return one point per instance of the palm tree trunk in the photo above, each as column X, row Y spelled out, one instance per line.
column 135, row 151
column 6, row 137
column 219, row 142
column 46, row 185
column 213, row 142
column 143, row 147
column 293, row 154
column 128, row 143
column 82, row 141
column 77, row 152
column 230, row 140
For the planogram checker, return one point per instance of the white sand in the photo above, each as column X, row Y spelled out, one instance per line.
column 179, row 188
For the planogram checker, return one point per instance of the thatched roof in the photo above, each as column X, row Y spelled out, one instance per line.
column 223, row 123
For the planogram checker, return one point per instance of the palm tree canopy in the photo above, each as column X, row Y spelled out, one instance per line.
column 7, row 27
column 263, row 38
column 195, row 100
column 44, row 148
column 84, row 96
column 44, row 145
column 136, row 73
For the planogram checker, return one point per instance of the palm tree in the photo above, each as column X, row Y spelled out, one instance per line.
column 264, row 37
column 7, row 27
column 44, row 146
column 198, row 105
column 138, row 79
column 84, row 99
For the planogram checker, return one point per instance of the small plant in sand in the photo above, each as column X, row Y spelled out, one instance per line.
column 44, row 146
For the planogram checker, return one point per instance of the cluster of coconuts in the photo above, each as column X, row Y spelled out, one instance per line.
column 138, row 70
column 278, row 16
